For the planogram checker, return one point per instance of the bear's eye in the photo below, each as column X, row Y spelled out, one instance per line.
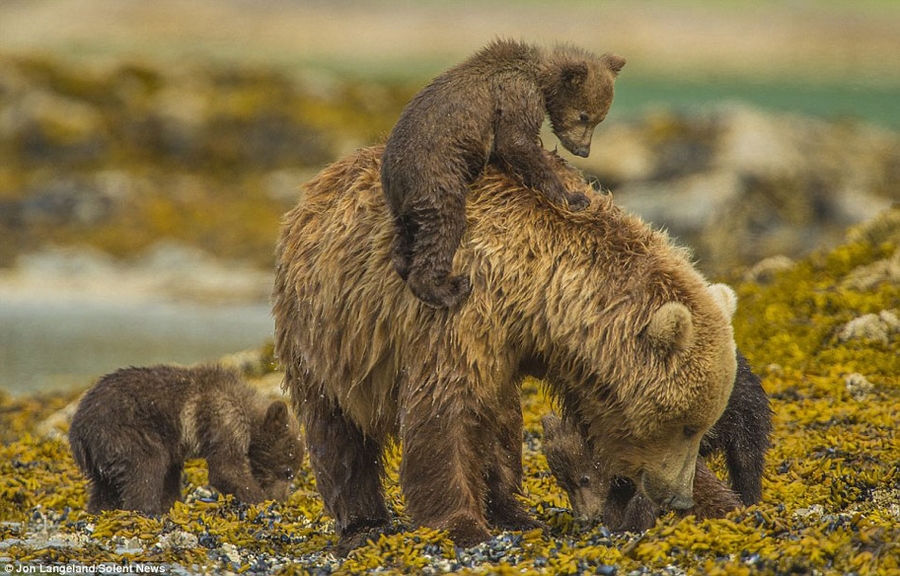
column 690, row 431
column 288, row 473
column 584, row 481
column 584, row 118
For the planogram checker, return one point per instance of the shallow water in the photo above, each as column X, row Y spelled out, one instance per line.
column 47, row 345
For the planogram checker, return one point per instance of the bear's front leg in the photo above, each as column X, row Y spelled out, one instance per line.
column 105, row 494
column 172, row 485
column 638, row 514
column 444, row 462
column 526, row 159
column 713, row 499
column 504, row 477
column 229, row 473
column 621, row 492
column 142, row 487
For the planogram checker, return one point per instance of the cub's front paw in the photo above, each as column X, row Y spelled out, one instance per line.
column 459, row 289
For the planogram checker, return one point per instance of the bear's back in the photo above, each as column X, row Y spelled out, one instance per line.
column 542, row 276
column 136, row 396
column 161, row 402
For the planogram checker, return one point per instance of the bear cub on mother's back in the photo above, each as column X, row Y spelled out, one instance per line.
column 489, row 108
column 134, row 429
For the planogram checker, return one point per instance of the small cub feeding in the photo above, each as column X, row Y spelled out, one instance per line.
column 134, row 429
column 487, row 109
column 741, row 433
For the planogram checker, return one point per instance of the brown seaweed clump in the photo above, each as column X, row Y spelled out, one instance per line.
column 831, row 492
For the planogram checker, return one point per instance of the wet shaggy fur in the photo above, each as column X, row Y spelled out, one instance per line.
column 575, row 297
column 134, row 429
column 488, row 109
column 742, row 434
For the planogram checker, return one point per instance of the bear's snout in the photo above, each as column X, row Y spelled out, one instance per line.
column 587, row 502
column 578, row 143
column 681, row 502
column 671, row 492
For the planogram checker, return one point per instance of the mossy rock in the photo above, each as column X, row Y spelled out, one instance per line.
column 117, row 156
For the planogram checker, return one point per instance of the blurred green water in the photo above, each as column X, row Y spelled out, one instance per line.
column 831, row 100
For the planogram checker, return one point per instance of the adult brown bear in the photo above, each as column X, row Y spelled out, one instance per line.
column 633, row 343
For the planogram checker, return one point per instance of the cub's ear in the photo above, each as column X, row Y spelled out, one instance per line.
column 277, row 415
column 725, row 298
column 574, row 74
column 671, row 328
column 614, row 61
column 551, row 424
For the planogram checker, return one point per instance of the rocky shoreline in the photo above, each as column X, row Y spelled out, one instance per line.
column 822, row 332
column 103, row 162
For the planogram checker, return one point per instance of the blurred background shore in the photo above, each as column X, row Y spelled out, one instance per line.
column 148, row 149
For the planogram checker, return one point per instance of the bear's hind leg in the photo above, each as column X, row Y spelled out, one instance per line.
column 348, row 468
column 437, row 223
column 142, row 485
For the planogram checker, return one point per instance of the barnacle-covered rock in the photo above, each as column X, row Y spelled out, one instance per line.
column 879, row 327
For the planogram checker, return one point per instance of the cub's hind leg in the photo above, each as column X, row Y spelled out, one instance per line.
column 436, row 226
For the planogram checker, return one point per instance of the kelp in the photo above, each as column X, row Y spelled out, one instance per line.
column 831, row 489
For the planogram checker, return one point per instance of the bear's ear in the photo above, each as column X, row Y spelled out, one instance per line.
column 551, row 424
column 573, row 74
column 725, row 297
column 670, row 329
column 614, row 61
column 277, row 415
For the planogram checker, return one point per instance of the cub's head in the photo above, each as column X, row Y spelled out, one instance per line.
column 578, row 91
column 276, row 451
column 574, row 467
